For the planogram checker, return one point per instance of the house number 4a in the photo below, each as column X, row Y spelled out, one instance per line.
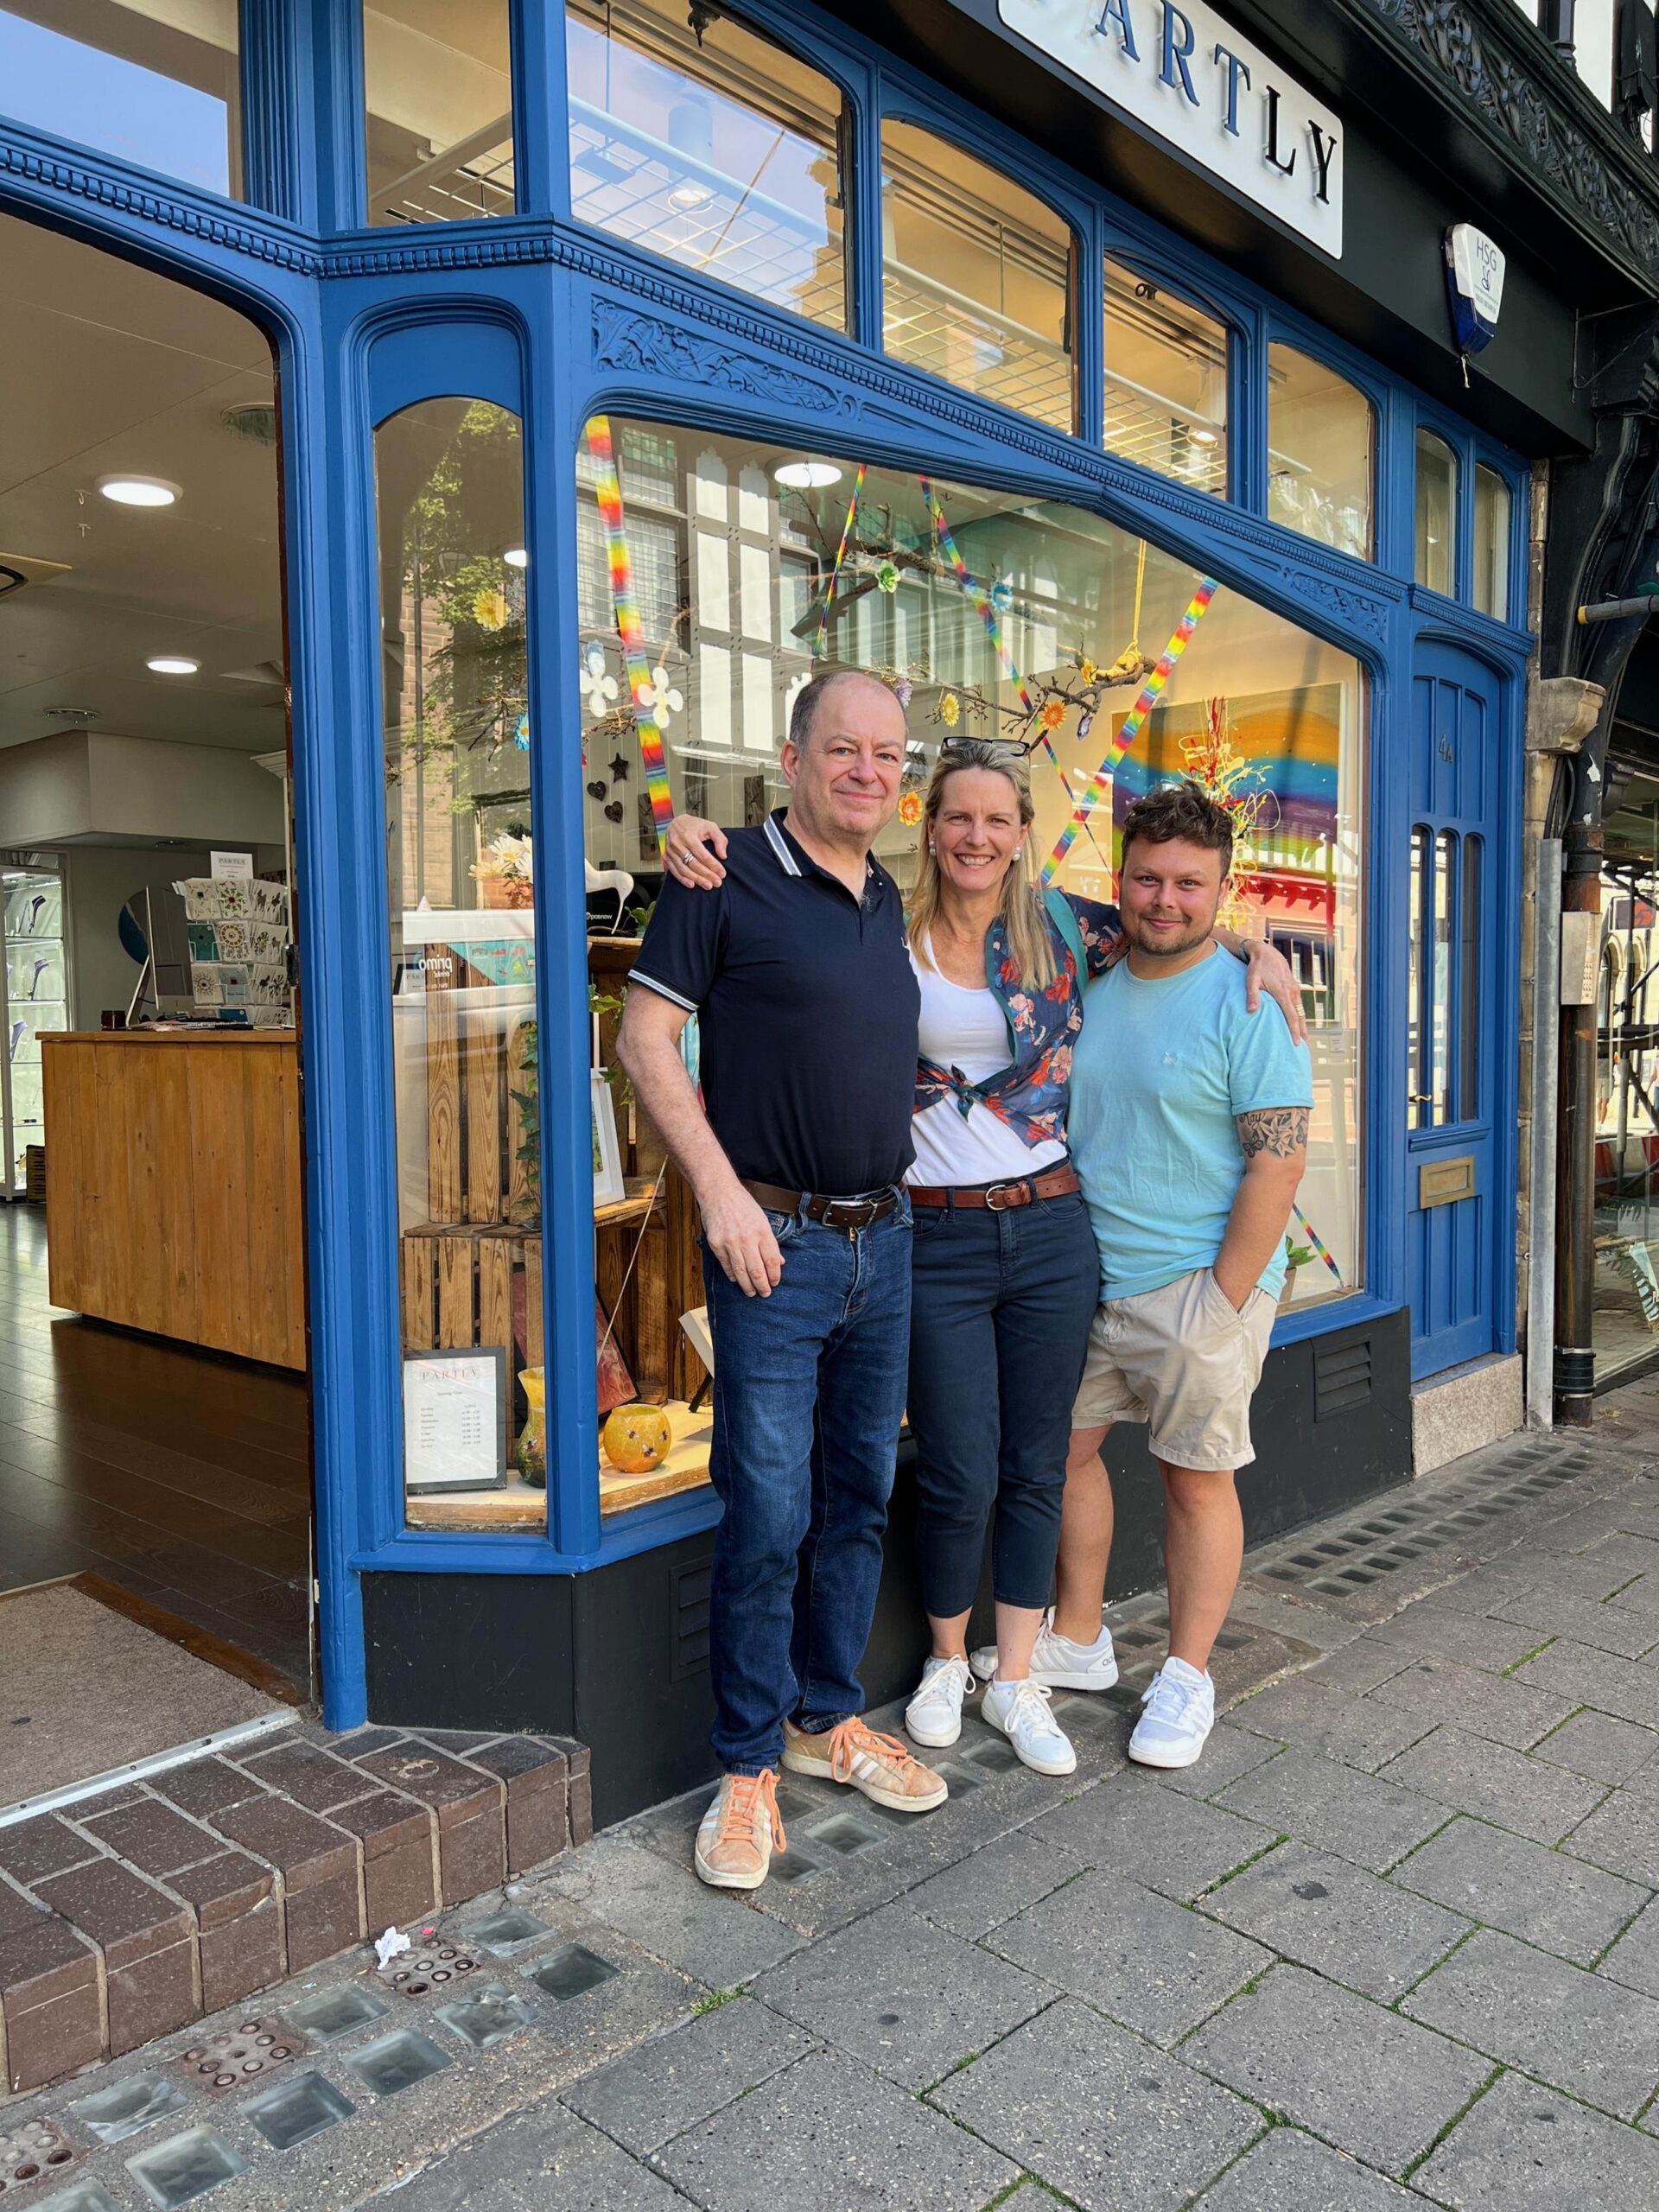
column 1447, row 751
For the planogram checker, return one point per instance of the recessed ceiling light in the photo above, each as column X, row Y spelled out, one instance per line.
column 172, row 664
column 807, row 475
column 138, row 491
column 1202, row 438
column 516, row 557
column 686, row 197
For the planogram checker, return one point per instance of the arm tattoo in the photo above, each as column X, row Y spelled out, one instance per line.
column 1281, row 1130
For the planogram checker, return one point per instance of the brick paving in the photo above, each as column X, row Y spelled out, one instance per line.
column 1393, row 1942
column 127, row 1915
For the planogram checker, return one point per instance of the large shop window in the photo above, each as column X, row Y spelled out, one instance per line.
column 449, row 476
column 1321, row 452
column 154, row 82
column 1625, row 1314
column 1166, row 382
column 437, row 84
column 701, row 140
column 747, row 565
column 976, row 276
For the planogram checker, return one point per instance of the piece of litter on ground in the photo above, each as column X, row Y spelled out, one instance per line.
column 387, row 1947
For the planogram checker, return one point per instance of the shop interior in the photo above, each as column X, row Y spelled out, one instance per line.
column 154, row 1449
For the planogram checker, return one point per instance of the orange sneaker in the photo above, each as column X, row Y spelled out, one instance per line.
column 740, row 1830
column 878, row 1765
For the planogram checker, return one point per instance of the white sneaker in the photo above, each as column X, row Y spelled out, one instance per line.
column 933, row 1716
column 1019, row 1711
column 1177, row 1711
column 1057, row 1663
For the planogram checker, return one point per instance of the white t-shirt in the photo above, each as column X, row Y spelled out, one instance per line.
column 964, row 1027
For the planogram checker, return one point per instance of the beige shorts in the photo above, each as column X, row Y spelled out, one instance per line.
column 1183, row 1360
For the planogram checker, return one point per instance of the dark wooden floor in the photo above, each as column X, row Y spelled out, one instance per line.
column 180, row 1475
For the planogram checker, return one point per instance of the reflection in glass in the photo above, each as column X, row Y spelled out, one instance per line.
column 154, row 82
column 437, row 82
column 738, row 613
column 975, row 277
column 1418, row 999
column 1469, row 982
column 1626, row 1308
column 1441, row 1010
column 1166, row 382
column 459, row 864
column 709, row 146
column 1437, row 511
column 1491, row 579
column 1321, row 433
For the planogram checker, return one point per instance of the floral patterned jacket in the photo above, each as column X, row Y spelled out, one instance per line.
column 1030, row 1094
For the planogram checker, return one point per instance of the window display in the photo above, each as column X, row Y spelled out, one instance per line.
column 697, row 139
column 735, row 568
column 35, row 998
column 1626, row 1309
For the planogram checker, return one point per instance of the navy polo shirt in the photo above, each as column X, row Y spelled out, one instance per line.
column 807, row 1010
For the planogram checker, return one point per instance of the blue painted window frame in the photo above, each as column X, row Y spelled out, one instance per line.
column 362, row 319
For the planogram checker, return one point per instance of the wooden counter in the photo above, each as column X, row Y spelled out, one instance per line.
column 173, row 1185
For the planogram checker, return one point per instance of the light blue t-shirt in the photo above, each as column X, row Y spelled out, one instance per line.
column 1157, row 1076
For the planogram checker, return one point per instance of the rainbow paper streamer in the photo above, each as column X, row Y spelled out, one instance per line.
column 1151, row 691
column 626, row 609
column 1314, row 1239
column 981, row 597
column 834, row 574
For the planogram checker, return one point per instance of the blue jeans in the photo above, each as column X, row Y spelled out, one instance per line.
column 999, row 1331
column 809, row 1393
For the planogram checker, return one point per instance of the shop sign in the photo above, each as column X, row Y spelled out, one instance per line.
column 1185, row 73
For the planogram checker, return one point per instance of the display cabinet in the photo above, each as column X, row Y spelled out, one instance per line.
column 34, row 998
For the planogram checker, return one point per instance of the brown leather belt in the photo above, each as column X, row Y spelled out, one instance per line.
column 1056, row 1182
column 833, row 1213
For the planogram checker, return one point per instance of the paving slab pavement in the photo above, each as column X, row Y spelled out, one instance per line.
column 1395, row 1941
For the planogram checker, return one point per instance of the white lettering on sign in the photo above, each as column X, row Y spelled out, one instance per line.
column 1186, row 75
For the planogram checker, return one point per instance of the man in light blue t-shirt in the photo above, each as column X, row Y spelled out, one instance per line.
column 1188, row 1124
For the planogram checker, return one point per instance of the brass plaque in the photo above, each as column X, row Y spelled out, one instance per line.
column 1441, row 1182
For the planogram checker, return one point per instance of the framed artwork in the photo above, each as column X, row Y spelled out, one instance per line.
column 608, row 1187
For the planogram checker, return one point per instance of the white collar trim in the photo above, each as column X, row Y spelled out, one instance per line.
column 786, row 859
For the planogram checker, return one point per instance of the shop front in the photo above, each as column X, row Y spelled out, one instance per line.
column 635, row 362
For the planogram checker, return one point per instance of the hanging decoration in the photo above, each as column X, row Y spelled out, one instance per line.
column 1314, row 1239
column 1150, row 692
column 819, row 641
column 983, row 599
column 609, row 493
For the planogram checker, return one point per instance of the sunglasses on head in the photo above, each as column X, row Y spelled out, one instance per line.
column 1018, row 747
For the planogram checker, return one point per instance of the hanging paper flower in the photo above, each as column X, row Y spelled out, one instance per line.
column 598, row 685
column 490, row 608
column 950, row 710
column 521, row 733
column 1003, row 595
column 903, row 690
column 887, row 577
column 1087, row 670
column 659, row 698
column 910, row 809
column 1053, row 712
column 1085, row 726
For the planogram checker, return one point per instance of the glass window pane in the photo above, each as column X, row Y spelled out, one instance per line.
column 1469, row 982
column 449, row 478
column 1626, row 1308
column 1320, row 436
column 1491, row 580
column 1419, row 986
column 975, row 277
column 1166, row 382
column 1263, row 713
column 1437, row 511
column 437, row 80
column 156, row 82
column 711, row 147
column 1440, row 1014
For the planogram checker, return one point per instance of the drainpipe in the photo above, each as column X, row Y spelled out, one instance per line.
column 1575, row 1160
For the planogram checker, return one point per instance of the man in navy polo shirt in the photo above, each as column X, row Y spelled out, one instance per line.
column 798, row 971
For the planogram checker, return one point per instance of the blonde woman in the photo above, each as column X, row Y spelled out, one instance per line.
column 1005, row 1275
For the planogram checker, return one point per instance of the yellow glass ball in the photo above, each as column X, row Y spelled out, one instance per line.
column 637, row 1439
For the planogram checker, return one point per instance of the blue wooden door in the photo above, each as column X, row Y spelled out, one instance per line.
column 1455, row 1213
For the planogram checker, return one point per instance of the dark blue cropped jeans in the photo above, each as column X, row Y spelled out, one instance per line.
column 1001, row 1305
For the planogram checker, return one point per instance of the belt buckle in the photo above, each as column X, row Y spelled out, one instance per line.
column 1002, row 1197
